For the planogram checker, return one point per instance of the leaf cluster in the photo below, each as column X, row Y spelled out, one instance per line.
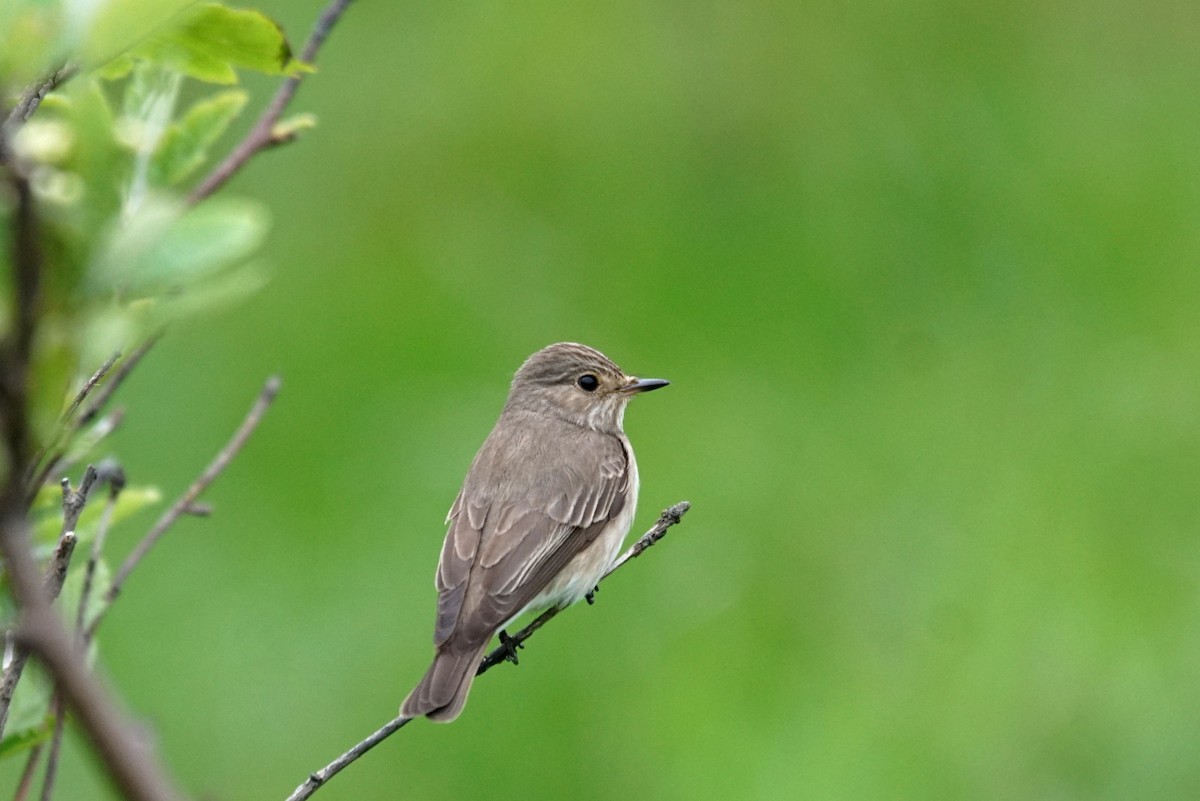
column 146, row 92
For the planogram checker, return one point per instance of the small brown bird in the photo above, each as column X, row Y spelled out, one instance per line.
column 541, row 515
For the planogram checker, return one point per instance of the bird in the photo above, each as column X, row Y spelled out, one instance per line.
column 541, row 516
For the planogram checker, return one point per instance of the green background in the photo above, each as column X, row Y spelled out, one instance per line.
column 924, row 278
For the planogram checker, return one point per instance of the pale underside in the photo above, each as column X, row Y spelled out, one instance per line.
column 518, row 544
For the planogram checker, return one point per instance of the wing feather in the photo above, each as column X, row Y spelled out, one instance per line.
column 504, row 546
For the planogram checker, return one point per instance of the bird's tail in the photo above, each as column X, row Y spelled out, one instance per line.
column 442, row 693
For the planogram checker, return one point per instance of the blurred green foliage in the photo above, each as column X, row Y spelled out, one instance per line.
column 924, row 279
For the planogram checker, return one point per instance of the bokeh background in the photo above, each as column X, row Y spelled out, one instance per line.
column 924, row 278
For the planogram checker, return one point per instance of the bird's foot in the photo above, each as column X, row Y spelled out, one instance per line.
column 591, row 596
column 510, row 646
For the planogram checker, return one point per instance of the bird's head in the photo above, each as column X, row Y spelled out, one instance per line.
column 578, row 384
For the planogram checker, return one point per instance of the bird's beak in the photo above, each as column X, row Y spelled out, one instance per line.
column 645, row 384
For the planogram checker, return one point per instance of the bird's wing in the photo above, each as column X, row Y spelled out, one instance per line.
column 501, row 551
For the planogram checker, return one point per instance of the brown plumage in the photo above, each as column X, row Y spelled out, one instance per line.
column 541, row 515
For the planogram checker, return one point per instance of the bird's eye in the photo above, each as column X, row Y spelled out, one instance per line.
column 588, row 382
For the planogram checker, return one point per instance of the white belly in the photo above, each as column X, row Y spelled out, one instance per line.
column 582, row 573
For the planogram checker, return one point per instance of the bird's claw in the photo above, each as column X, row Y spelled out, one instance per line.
column 510, row 646
column 591, row 596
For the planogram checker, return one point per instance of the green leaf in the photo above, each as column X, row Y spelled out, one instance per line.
column 213, row 40
column 111, row 27
column 147, row 107
column 116, row 69
column 47, row 497
column 163, row 249
column 132, row 500
column 185, row 145
column 290, row 127
column 28, row 715
column 148, row 85
column 98, row 158
column 21, row 738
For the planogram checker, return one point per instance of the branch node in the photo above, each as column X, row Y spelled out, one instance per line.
column 198, row 509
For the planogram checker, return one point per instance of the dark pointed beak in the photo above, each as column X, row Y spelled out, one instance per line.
column 646, row 384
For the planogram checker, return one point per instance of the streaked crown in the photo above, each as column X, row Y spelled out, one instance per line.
column 576, row 383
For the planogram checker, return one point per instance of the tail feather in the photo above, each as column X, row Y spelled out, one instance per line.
column 443, row 691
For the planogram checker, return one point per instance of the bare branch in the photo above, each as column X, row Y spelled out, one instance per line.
column 507, row 650
column 65, row 420
column 59, row 710
column 262, row 134
column 186, row 502
column 115, row 477
column 56, row 574
column 116, row 483
column 315, row 780
column 102, row 428
column 90, row 384
column 27, row 774
column 74, row 500
column 127, row 758
column 670, row 516
column 109, row 387
column 68, row 428
column 199, row 510
column 31, row 98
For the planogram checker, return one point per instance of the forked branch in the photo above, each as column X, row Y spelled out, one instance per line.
column 262, row 135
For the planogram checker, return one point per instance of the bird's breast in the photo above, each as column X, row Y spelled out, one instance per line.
column 582, row 573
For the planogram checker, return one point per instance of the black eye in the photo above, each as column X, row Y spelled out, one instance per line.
column 588, row 382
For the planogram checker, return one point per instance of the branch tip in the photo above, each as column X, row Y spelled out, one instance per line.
column 509, row 645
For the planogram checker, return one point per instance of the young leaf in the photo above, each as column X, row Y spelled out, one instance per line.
column 116, row 69
column 167, row 248
column 290, row 127
column 215, row 39
column 20, row 736
column 132, row 499
column 28, row 721
column 185, row 144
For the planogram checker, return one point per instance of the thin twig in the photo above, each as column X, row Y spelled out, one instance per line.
column 315, row 781
column 669, row 517
column 68, row 428
column 60, row 718
column 31, row 98
column 102, row 428
column 74, row 500
column 186, row 501
column 115, row 476
column 109, row 387
column 56, row 573
column 262, row 134
column 39, row 629
column 116, row 483
column 126, row 756
column 506, row 652
column 64, row 421
column 27, row 774
column 90, row 384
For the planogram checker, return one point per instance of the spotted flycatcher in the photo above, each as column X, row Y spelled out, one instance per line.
column 541, row 515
